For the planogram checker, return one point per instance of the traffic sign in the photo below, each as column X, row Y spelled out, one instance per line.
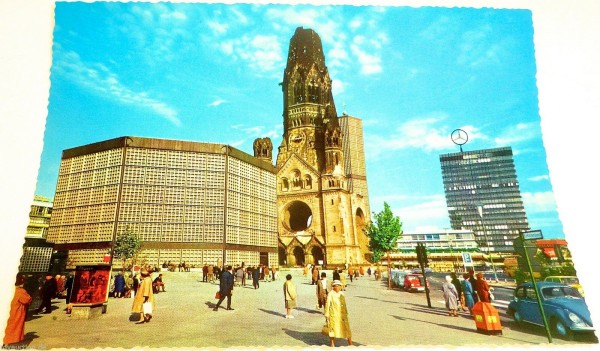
column 467, row 259
column 532, row 235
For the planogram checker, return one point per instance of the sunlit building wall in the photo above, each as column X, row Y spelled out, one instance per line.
column 190, row 202
column 483, row 195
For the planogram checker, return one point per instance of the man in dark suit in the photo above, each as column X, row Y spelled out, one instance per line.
column 225, row 288
column 255, row 277
column 47, row 292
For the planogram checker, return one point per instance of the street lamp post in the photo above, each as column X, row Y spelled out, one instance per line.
column 480, row 210
column 451, row 254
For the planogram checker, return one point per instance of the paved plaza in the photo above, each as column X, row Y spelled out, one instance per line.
column 184, row 318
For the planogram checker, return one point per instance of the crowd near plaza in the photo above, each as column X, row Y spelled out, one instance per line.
column 184, row 316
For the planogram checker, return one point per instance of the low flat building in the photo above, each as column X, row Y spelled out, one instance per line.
column 444, row 249
column 191, row 202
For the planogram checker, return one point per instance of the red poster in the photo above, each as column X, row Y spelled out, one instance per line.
column 91, row 284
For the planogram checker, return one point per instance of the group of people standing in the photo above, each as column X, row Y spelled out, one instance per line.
column 463, row 294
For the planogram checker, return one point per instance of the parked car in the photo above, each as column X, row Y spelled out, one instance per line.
column 566, row 279
column 418, row 270
column 564, row 307
column 415, row 282
column 398, row 278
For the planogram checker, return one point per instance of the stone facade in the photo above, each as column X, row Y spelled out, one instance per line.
column 322, row 199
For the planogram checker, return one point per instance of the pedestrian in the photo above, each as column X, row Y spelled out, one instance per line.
column 289, row 294
column 342, row 279
column 351, row 273
column 210, row 273
column 273, row 273
column 128, row 285
column 361, row 270
column 119, row 285
column 158, row 284
column 239, row 276
column 47, row 293
column 266, row 273
column 450, row 296
column 315, row 275
column 136, row 284
column 255, row 277
column 243, row 274
column 15, row 326
column 144, row 295
column 336, row 274
column 483, row 288
column 468, row 292
column 225, row 288
column 473, row 282
column 60, row 285
column 205, row 273
column 322, row 290
column 458, row 286
column 336, row 315
column 368, row 272
column 69, row 286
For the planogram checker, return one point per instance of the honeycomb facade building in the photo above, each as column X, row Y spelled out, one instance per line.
column 483, row 195
column 322, row 198
column 190, row 202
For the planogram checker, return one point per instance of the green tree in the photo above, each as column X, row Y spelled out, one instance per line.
column 127, row 246
column 383, row 231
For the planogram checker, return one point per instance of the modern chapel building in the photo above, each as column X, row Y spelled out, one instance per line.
column 187, row 201
column 483, row 195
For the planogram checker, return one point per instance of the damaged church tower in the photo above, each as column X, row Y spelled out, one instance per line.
column 322, row 197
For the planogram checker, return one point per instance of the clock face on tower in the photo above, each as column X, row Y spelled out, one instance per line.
column 297, row 139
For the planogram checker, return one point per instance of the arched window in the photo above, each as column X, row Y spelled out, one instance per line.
column 307, row 182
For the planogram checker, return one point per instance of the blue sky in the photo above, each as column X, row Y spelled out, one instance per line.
column 210, row 72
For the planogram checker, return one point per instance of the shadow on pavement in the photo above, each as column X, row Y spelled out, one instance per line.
column 316, row 338
column 309, row 310
column 540, row 331
column 423, row 309
column 372, row 298
column 272, row 312
column 27, row 339
column 449, row 326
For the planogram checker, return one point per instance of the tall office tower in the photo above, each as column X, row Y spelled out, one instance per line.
column 482, row 194
column 194, row 202
column 321, row 215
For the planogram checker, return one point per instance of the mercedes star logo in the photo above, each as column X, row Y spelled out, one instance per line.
column 459, row 137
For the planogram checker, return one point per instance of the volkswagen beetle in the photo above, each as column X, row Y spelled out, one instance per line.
column 564, row 307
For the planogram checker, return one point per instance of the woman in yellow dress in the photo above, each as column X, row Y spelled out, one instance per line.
column 144, row 294
column 336, row 314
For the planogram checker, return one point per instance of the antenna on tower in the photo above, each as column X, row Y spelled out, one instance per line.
column 344, row 111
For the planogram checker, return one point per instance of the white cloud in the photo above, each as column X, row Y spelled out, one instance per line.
column 539, row 202
column 217, row 103
column 337, row 86
column 217, row 27
column 429, row 212
column 539, row 178
column 355, row 24
column 98, row 79
column 262, row 53
column 518, row 133
column 370, row 63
